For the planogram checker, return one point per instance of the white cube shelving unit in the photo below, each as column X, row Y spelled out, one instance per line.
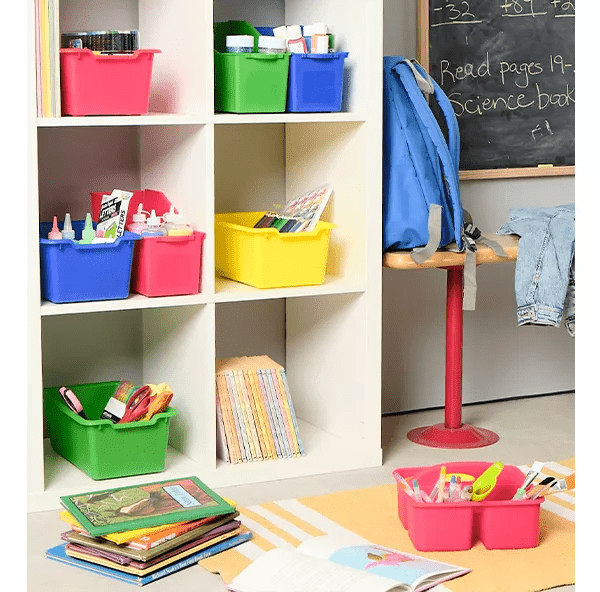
column 328, row 337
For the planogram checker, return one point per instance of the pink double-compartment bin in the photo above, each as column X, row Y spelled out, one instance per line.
column 498, row 521
column 162, row 265
column 105, row 84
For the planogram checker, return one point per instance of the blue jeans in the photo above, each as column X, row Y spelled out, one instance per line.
column 545, row 268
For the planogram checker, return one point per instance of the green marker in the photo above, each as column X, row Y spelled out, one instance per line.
column 88, row 234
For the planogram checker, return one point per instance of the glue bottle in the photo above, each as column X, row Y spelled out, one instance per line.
column 296, row 43
column 68, row 231
column 320, row 38
column 88, row 233
column 153, row 227
column 138, row 223
column 174, row 225
column 55, row 233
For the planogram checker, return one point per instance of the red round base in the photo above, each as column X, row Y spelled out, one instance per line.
column 439, row 436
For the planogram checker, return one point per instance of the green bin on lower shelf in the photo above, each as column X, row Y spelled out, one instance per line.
column 98, row 447
column 248, row 82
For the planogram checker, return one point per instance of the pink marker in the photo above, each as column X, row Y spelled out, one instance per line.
column 55, row 233
column 72, row 401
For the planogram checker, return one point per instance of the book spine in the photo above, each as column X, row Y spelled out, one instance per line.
column 250, row 413
column 260, row 402
column 192, row 559
column 232, row 440
column 221, row 438
column 237, row 414
column 257, row 416
column 38, row 63
column 270, row 412
column 245, row 415
column 234, row 417
column 293, row 412
column 55, row 56
column 288, row 414
column 274, row 412
column 45, row 56
column 279, row 411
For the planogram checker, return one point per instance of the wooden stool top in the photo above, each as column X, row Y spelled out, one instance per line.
column 403, row 260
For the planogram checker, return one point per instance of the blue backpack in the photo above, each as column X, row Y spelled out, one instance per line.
column 422, row 210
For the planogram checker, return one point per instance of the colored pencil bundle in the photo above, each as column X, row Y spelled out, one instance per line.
column 255, row 414
column 299, row 214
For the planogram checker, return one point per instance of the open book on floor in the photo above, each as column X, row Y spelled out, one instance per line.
column 326, row 563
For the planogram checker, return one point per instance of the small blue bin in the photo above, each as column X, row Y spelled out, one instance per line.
column 71, row 272
column 316, row 82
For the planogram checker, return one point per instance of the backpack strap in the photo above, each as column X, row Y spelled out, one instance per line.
column 471, row 236
column 434, row 228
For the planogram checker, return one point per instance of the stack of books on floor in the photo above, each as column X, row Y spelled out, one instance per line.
column 255, row 413
column 141, row 533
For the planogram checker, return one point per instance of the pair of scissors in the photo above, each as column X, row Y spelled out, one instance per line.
column 138, row 405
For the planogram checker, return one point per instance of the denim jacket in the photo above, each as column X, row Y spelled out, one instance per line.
column 545, row 268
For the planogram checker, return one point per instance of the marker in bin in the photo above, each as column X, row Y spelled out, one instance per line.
column 72, row 401
column 405, row 485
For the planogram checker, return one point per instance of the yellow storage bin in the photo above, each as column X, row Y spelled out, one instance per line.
column 267, row 258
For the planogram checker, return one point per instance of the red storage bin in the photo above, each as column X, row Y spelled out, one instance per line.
column 498, row 521
column 105, row 84
column 151, row 199
column 167, row 265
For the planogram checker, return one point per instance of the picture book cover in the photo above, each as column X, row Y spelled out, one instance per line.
column 138, row 506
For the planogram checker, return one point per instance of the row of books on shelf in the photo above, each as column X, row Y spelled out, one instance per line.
column 47, row 58
column 255, row 413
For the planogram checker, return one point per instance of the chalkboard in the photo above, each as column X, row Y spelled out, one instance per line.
column 508, row 67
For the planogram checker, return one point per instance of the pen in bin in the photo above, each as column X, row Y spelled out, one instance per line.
column 421, row 495
column 441, row 485
column 466, row 494
column 407, row 488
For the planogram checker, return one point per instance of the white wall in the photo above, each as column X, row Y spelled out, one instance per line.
column 499, row 359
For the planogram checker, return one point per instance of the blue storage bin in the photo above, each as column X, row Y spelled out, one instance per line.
column 71, row 272
column 316, row 82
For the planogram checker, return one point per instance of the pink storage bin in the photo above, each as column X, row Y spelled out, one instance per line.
column 168, row 265
column 497, row 521
column 107, row 84
column 152, row 200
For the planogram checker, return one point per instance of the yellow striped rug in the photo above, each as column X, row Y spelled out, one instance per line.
column 373, row 514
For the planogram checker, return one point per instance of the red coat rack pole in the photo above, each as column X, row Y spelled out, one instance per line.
column 453, row 433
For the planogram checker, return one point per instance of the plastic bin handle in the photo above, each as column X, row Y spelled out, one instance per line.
column 107, row 56
column 184, row 238
column 322, row 56
column 127, row 56
column 265, row 56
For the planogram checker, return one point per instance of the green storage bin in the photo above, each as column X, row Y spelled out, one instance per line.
column 98, row 447
column 248, row 82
